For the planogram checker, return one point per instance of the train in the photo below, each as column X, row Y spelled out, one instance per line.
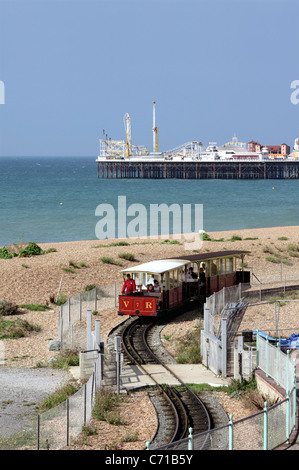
column 157, row 287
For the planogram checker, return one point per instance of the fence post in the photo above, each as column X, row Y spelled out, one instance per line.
column 257, row 347
column 80, row 306
column 288, row 372
column 84, row 413
column 288, row 418
column 265, row 426
column 38, row 430
column 96, row 298
column 88, row 330
column 277, row 361
column 190, row 439
column 267, row 357
column 294, row 394
column 67, row 422
column 223, row 347
column 231, row 433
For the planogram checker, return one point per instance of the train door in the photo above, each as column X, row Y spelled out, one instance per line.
column 175, row 287
column 214, row 269
column 230, row 272
column 179, row 287
column 171, row 289
column 221, row 280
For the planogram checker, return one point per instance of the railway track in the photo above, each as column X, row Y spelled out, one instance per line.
column 178, row 408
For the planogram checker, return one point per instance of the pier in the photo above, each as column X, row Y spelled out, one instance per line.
column 269, row 169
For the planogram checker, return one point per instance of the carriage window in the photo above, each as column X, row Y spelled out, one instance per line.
column 175, row 278
column 229, row 265
column 171, row 280
column 207, row 268
column 222, row 266
column 195, row 268
column 179, row 277
column 214, row 269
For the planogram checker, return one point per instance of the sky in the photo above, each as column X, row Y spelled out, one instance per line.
column 73, row 68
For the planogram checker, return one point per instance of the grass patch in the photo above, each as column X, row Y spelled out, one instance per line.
column 14, row 329
column 35, row 308
column 171, row 242
column 127, row 256
column 235, row 238
column 64, row 360
column 105, row 407
column 272, row 259
column 188, row 348
column 64, row 392
column 282, row 238
column 109, row 260
column 68, row 270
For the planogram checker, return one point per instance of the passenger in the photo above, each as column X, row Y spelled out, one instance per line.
column 187, row 276
column 157, row 287
column 129, row 285
column 202, row 277
column 192, row 273
column 203, row 266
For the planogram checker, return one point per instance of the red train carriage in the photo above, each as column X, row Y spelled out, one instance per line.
column 165, row 285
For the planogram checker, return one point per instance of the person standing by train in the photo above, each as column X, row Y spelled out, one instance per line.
column 129, row 285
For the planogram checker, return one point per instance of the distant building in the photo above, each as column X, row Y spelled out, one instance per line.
column 274, row 150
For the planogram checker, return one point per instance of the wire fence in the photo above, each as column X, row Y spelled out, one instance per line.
column 72, row 314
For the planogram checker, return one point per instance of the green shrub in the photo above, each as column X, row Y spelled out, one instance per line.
column 235, row 238
column 32, row 249
column 35, row 308
column 64, row 392
column 127, row 256
column 61, row 299
column 16, row 329
column 6, row 254
column 109, row 260
column 89, row 287
column 105, row 402
column 7, row 308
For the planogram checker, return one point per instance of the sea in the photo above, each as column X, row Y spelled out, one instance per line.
column 60, row 199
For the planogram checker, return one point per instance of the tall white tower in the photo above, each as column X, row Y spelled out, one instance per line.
column 127, row 123
column 155, row 130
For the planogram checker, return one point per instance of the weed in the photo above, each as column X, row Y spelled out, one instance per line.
column 235, row 238
column 8, row 308
column 105, row 402
column 10, row 329
column 127, row 256
column 35, row 308
column 109, row 260
column 64, row 392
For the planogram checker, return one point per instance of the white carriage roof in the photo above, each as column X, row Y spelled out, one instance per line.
column 157, row 266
